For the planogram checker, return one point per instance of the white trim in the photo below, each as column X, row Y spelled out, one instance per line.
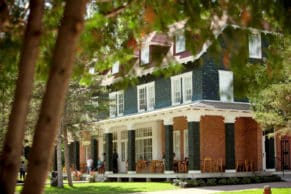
column 131, row 172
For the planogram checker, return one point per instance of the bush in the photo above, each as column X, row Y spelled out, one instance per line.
column 232, row 181
column 211, row 182
column 246, row 180
column 222, row 181
column 256, row 179
column 193, row 183
column 201, row 182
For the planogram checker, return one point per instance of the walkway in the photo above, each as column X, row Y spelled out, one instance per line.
column 217, row 189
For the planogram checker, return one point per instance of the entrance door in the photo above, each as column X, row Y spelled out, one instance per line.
column 285, row 154
column 269, row 153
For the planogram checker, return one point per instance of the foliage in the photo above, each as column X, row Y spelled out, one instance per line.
column 272, row 103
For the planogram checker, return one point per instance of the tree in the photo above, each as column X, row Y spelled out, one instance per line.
column 114, row 24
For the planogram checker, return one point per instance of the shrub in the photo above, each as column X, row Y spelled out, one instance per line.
column 201, row 182
column 222, row 181
column 246, row 180
column 232, row 181
column 211, row 182
column 193, row 183
column 256, row 179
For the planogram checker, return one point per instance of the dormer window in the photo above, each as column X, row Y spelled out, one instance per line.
column 115, row 67
column 180, row 42
column 255, row 46
column 145, row 55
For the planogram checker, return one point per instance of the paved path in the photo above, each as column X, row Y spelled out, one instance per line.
column 217, row 189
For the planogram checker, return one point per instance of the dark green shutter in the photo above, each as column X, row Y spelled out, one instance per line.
column 131, row 150
column 229, row 146
column 194, row 145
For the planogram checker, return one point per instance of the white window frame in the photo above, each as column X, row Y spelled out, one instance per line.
column 116, row 103
column 143, row 144
column 176, row 144
column 226, row 86
column 149, row 97
column 180, row 42
column 115, row 67
column 181, row 88
column 255, row 45
column 145, row 55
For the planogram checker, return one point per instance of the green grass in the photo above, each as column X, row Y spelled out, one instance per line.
column 108, row 187
column 260, row 191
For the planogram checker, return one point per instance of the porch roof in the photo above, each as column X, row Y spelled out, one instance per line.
column 229, row 110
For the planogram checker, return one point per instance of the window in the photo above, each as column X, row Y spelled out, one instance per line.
column 143, row 144
column 255, row 46
column 145, row 55
column 115, row 67
column 116, row 103
column 180, row 42
column 146, row 97
column 226, row 85
column 181, row 88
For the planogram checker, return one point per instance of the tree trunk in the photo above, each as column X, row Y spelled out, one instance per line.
column 67, row 157
column 59, row 160
column 53, row 101
column 13, row 143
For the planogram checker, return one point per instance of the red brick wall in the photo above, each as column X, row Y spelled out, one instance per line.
column 212, row 137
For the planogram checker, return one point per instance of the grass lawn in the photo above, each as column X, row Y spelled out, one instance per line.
column 109, row 187
column 260, row 191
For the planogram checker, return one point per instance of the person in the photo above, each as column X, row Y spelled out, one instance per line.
column 115, row 162
column 100, row 166
column 22, row 170
column 89, row 165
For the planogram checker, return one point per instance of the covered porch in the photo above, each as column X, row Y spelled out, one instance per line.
column 199, row 138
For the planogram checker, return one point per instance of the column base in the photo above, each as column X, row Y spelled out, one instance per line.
column 230, row 170
column 108, row 172
column 169, row 172
column 194, row 171
column 131, row 172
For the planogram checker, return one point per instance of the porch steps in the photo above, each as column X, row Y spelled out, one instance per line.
column 100, row 178
column 286, row 176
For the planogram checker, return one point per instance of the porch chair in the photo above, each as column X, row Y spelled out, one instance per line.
column 207, row 164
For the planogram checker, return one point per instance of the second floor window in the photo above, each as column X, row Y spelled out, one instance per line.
column 255, row 46
column 180, row 42
column 226, row 86
column 146, row 97
column 181, row 88
column 116, row 103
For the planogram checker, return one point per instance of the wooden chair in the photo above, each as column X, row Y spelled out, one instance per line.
column 218, row 167
column 207, row 164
